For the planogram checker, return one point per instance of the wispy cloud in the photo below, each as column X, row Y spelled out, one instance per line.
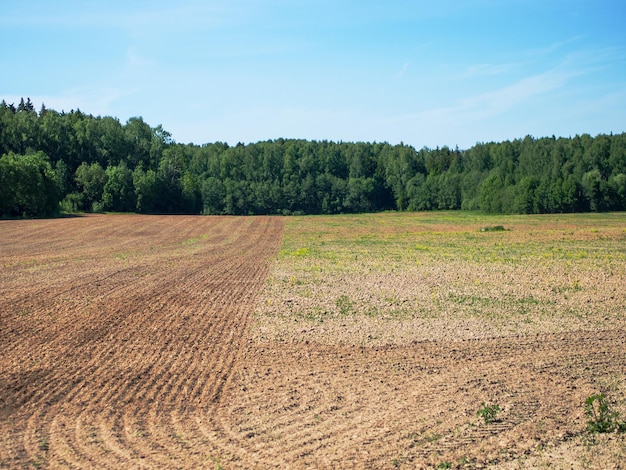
column 135, row 60
column 403, row 70
column 551, row 48
column 493, row 103
column 506, row 98
column 481, row 70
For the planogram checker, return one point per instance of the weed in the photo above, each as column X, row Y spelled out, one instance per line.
column 301, row 252
column 344, row 304
column 44, row 445
column 444, row 465
column 372, row 311
column 217, row 464
column 488, row 413
column 601, row 418
column 181, row 439
column 494, row 228
column 294, row 281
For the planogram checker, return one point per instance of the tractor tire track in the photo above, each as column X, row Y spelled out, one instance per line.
column 125, row 378
column 301, row 405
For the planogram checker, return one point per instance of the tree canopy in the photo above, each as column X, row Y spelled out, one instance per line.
column 80, row 162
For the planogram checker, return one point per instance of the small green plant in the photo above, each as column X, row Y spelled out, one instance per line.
column 488, row 413
column 301, row 252
column 344, row 304
column 444, row 465
column 44, row 445
column 601, row 418
column 217, row 464
column 495, row 228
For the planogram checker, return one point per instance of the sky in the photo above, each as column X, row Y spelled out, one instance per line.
column 426, row 73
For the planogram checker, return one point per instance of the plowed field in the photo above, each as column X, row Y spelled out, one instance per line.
column 119, row 334
column 134, row 341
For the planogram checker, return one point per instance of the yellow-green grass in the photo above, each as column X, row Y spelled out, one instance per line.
column 392, row 278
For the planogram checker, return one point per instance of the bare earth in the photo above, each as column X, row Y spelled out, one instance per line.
column 134, row 341
column 119, row 334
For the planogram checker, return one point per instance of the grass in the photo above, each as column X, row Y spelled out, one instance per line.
column 392, row 279
column 44, row 443
column 452, row 235
column 539, row 273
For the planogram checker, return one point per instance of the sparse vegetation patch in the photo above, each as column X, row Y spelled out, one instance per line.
column 493, row 228
column 415, row 318
column 489, row 413
column 601, row 417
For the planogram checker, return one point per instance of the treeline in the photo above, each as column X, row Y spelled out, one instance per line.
column 73, row 161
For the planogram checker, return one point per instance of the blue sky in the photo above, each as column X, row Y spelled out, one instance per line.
column 426, row 73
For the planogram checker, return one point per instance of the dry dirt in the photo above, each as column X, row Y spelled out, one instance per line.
column 119, row 335
column 130, row 341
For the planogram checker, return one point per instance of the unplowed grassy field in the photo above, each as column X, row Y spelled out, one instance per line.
column 350, row 342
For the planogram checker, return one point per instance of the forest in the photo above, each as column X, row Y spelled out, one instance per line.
column 53, row 162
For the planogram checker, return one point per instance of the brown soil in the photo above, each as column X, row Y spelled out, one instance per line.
column 126, row 341
column 119, row 334
column 415, row 406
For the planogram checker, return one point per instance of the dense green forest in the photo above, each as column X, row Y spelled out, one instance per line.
column 53, row 161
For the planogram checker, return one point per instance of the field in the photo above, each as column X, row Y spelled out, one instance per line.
column 367, row 341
